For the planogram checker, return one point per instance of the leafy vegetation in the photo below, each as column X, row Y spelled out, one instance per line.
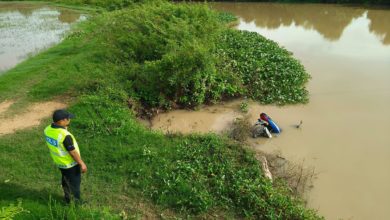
column 268, row 72
column 9, row 212
column 189, row 174
column 164, row 50
column 158, row 55
column 244, row 106
column 183, row 56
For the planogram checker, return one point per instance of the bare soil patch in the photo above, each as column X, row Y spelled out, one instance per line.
column 29, row 118
column 4, row 106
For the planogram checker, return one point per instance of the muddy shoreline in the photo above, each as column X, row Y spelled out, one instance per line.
column 219, row 119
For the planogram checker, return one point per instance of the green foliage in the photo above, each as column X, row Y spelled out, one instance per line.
column 203, row 172
column 9, row 212
column 189, row 174
column 104, row 113
column 183, row 56
column 167, row 49
column 163, row 55
column 57, row 211
column 226, row 17
column 244, row 106
column 268, row 72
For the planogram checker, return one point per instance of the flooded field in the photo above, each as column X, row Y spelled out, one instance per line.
column 345, row 125
column 26, row 29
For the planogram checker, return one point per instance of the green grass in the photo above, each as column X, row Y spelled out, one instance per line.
column 132, row 170
column 190, row 175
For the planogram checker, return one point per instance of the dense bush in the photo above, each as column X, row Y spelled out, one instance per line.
column 183, row 56
column 268, row 72
column 166, row 52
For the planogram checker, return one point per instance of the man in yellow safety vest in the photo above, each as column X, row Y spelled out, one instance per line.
column 65, row 153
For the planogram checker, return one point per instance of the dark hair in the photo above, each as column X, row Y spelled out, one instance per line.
column 264, row 116
column 61, row 114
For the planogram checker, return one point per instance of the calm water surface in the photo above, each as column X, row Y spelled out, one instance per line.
column 346, row 125
column 25, row 29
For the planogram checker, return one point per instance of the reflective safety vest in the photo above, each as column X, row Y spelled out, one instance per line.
column 54, row 140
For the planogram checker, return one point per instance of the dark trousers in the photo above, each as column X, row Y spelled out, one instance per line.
column 71, row 180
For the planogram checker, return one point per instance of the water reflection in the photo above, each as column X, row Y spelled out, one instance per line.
column 26, row 29
column 24, row 9
column 380, row 24
column 67, row 16
column 328, row 20
column 345, row 51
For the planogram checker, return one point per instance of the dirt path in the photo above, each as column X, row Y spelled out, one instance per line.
column 29, row 118
column 4, row 106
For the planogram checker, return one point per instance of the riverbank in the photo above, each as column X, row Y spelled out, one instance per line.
column 345, row 85
column 146, row 173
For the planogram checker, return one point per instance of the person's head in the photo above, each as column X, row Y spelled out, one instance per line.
column 264, row 116
column 62, row 118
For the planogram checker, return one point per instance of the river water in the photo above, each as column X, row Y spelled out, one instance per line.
column 345, row 127
column 26, row 29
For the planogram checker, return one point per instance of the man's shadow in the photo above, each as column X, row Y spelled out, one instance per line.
column 10, row 192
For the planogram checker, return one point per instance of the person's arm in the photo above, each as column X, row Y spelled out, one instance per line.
column 68, row 144
column 78, row 159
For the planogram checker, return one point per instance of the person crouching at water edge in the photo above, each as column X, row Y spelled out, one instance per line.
column 265, row 126
column 65, row 153
column 269, row 123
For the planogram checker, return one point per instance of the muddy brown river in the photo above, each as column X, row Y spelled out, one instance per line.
column 345, row 127
column 27, row 28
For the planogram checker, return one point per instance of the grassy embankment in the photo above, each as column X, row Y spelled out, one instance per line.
column 149, row 56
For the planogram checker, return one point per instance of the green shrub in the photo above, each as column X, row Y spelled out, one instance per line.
column 183, row 56
column 244, row 106
column 226, row 17
column 204, row 172
column 269, row 73
column 167, row 50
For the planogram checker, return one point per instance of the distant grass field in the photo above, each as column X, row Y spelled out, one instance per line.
column 133, row 171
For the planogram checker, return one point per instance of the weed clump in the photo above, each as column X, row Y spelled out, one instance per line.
column 9, row 212
column 182, row 56
column 241, row 129
column 268, row 73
